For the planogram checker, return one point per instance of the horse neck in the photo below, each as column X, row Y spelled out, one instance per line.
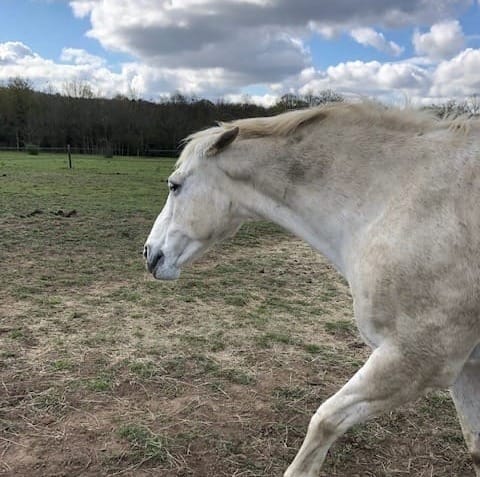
column 324, row 194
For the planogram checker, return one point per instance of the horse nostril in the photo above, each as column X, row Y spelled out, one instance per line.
column 154, row 259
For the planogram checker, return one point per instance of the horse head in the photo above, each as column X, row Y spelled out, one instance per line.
column 198, row 212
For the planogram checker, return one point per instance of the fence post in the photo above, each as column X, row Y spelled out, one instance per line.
column 69, row 153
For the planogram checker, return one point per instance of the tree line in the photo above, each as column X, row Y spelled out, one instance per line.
column 120, row 125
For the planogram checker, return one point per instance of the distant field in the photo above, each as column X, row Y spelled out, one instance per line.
column 106, row 372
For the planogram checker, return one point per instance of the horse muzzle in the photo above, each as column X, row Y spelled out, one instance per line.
column 153, row 258
column 157, row 264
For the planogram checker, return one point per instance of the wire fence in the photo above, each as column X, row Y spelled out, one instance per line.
column 97, row 151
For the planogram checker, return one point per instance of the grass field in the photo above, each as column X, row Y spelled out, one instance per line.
column 106, row 372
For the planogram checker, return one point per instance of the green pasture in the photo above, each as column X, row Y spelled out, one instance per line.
column 101, row 185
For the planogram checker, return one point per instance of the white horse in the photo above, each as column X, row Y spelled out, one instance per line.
column 392, row 199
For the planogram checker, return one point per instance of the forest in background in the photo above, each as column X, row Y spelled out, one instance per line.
column 33, row 120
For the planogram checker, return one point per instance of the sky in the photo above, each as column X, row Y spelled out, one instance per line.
column 410, row 51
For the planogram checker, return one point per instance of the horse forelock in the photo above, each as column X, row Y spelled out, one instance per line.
column 196, row 144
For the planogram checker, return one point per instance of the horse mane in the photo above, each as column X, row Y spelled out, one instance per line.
column 365, row 113
column 281, row 125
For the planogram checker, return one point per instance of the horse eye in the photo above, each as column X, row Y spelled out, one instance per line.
column 173, row 187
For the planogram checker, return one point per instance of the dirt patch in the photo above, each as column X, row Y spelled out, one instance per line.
column 199, row 386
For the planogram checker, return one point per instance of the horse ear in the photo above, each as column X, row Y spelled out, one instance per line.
column 224, row 140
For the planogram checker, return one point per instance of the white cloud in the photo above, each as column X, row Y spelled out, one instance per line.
column 458, row 77
column 414, row 78
column 149, row 81
column 260, row 39
column 80, row 57
column 444, row 40
column 421, row 82
column 82, row 8
column 13, row 51
column 372, row 78
column 369, row 37
column 17, row 59
column 266, row 100
column 215, row 48
column 328, row 32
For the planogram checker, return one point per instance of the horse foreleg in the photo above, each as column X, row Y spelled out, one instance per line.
column 466, row 396
column 387, row 380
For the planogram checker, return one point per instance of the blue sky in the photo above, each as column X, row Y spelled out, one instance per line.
column 425, row 51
